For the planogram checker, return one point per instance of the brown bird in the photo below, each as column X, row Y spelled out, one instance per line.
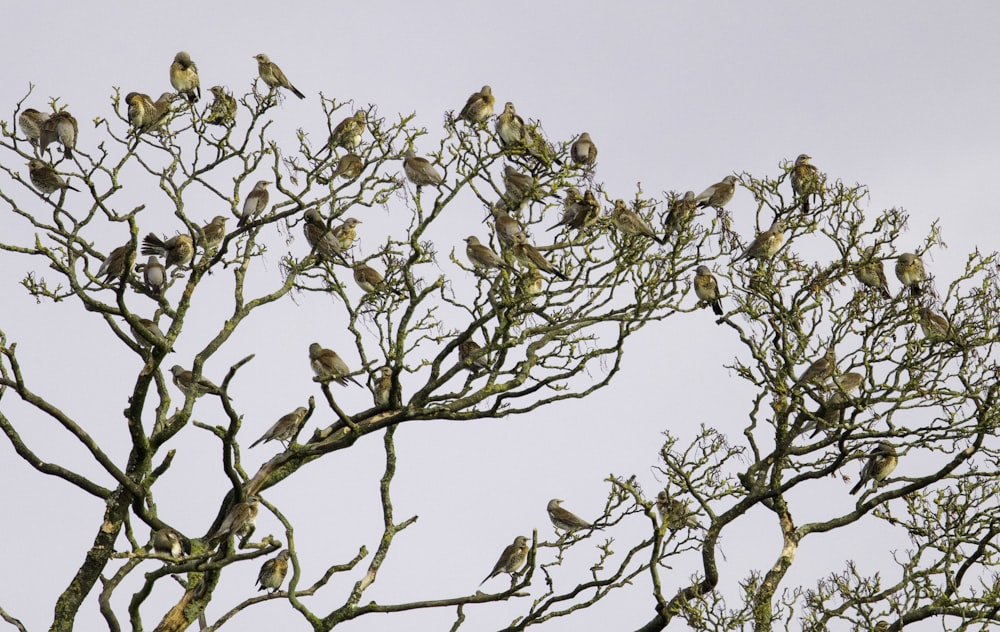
column 321, row 238
column 273, row 571
column 158, row 115
column 910, row 272
column 328, row 366
column 154, row 275
column 222, row 111
column 383, row 386
column 706, row 288
column 147, row 334
column 718, row 194
column 766, row 244
column 880, row 464
column 511, row 128
column 871, row 273
column 936, row 327
column 629, row 222
column 30, row 121
column 240, row 521
column 420, row 171
column 829, row 412
column 518, row 186
column 272, row 75
column 482, row 256
column 256, row 202
column 511, row 559
column 470, row 354
column 371, row 280
column 680, row 213
column 178, row 250
column 169, row 542
column 583, row 150
column 118, row 262
column 285, row 429
column 348, row 132
column 45, row 178
column 349, row 167
column 806, row 180
column 820, row 369
column 478, row 107
column 346, row 232
column 507, row 228
column 564, row 519
column 184, row 380
column 214, row 232
column 140, row 109
column 61, row 126
column 675, row 513
column 184, row 77
column 529, row 257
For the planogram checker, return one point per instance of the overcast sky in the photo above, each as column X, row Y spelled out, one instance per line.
column 901, row 96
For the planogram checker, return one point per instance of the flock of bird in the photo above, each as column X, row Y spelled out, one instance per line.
column 332, row 243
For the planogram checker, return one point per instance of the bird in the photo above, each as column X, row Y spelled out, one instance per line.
column 564, row 519
column 828, row 413
column 370, row 280
column 718, row 194
column 273, row 571
column 328, row 366
column 285, row 429
column 583, row 150
column 483, row 256
column 420, row 171
column 871, row 273
column 272, row 75
column 383, row 386
column 680, row 212
column 45, row 178
column 239, row 521
column 529, row 257
column 148, row 333
column 910, row 272
column 169, row 542
column 530, row 284
column 507, row 228
column 578, row 213
column 30, row 121
column 880, row 464
column 478, row 107
column 61, row 126
column 118, row 262
column 936, row 327
column 222, row 111
column 154, row 275
column 184, row 77
column 511, row 559
column 706, row 288
column 346, row 232
column 161, row 110
column 140, row 109
column 214, row 232
column 820, row 369
column 517, row 186
column 321, row 238
column 510, row 127
column 178, row 250
column 255, row 203
column 184, row 380
column 629, row 222
column 471, row 355
column 348, row 133
column 766, row 244
column 806, row 180
column 674, row 513
column 348, row 167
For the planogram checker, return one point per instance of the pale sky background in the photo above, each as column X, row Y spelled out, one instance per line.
column 901, row 96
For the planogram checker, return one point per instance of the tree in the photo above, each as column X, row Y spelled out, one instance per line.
column 539, row 339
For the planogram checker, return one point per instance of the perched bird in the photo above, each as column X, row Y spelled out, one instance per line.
column 829, row 412
column 285, row 429
column 706, row 288
column 511, row 559
column 30, row 121
column 118, row 262
column 184, row 380
column 629, row 222
column 530, row 284
column 222, row 111
column 517, row 186
column 256, row 202
column 871, row 273
column 806, row 180
column 529, row 257
column 169, row 542
column 45, row 177
column 588, row 211
column 147, row 334
column 680, row 213
column 328, row 366
column 321, row 238
column 140, row 109
column 214, row 232
column 511, row 128
column 161, row 110
column 507, row 228
column 674, row 513
column 154, row 275
column 346, row 232
column 471, row 355
column 348, row 132
column 61, row 126
column 478, row 107
column 583, row 150
column 178, row 250
column 564, row 519
column 573, row 209
column 910, row 272
column 240, row 520
column 766, row 244
column 482, row 256
column 272, row 75
column 820, row 369
column 184, row 77
column 420, row 171
column 273, row 571
column 370, row 280
column 880, row 464
column 383, row 386
column 936, row 327
column 348, row 167
column 718, row 194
